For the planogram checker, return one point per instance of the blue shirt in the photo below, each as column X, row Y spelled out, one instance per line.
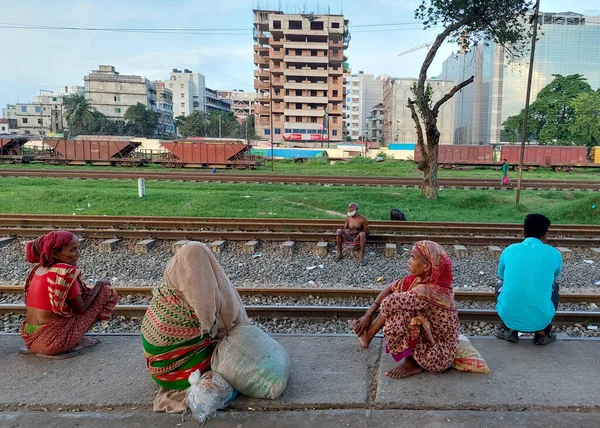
column 528, row 269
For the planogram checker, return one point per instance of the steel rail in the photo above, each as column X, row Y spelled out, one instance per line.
column 292, row 179
column 236, row 235
column 269, row 224
column 329, row 312
column 330, row 293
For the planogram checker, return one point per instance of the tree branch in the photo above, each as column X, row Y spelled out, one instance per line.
column 431, row 56
column 420, row 139
column 450, row 94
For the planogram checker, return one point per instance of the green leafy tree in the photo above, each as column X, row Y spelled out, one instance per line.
column 141, row 121
column 194, row 125
column 79, row 113
column 551, row 115
column 214, row 124
column 467, row 23
column 585, row 127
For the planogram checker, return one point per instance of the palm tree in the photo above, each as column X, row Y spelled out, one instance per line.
column 79, row 112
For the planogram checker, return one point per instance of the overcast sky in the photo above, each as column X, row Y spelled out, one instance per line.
column 33, row 59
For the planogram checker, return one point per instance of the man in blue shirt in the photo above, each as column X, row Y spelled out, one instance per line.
column 528, row 297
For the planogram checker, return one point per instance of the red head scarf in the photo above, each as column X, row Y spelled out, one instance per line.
column 40, row 250
column 440, row 273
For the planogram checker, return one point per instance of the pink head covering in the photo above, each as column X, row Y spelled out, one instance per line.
column 40, row 250
column 440, row 273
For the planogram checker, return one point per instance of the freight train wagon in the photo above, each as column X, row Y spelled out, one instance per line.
column 95, row 152
column 556, row 157
column 199, row 154
column 452, row 155
column 11, row 149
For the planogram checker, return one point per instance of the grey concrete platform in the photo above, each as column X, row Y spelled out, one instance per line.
column 306, row 419
column 340, row 383
column 562, row 375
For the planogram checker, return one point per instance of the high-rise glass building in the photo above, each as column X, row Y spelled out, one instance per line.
column 569, row 43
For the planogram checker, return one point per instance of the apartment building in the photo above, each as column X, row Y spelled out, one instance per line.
column 8, row 126
column 363, row 93
column 44, row 115
column 299, row 75
column 190, row 94
column 352, row 106
column 374, row 124
column 398, row 125
column 242, row 103
column 112, row 93
column 164, row 108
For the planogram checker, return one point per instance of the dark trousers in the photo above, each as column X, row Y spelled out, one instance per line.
column 554, row 298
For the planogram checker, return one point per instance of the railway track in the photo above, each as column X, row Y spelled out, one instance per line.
column 292, row 179
column 243, row 229
column 329, row 293
column 329, row 312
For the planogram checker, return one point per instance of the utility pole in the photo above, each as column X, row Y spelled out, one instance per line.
column 527, row 98
column 247, row 117
column 271, row 116
column 219, row 125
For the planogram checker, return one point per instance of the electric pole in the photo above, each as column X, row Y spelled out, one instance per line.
column 527, row 98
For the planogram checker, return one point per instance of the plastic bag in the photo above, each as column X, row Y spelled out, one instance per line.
column 468, row 359
column 207, row 394
column 253, row 362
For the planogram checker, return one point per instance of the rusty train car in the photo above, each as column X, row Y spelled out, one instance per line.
column 12, row 149
column 556, row 157
column 95, row 152
column 200, row 154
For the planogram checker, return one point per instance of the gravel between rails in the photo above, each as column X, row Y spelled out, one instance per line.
column 12, row 324
column 123, row 267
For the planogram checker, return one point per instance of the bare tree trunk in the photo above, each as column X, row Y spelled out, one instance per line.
column 431, row 183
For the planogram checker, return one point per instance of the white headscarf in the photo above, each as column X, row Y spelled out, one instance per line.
column 195, row 272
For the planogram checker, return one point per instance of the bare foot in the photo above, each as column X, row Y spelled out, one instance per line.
column 86, row 342
column 407, row 367
column 364, row 341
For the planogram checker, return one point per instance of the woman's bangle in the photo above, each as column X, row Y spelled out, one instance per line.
column 375, row 303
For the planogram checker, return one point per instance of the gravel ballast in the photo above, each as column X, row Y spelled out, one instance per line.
column 123, row 267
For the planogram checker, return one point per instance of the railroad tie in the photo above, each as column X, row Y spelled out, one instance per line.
column 217, row 247
column 110, row 245
column 6, row 241
column 177, row 245
column 391, row 251
column 460, row 251
column 288, row 247
column 495, row 251
column 250, row 247
column 321, row 249
column 596, row 252
column 143, row 247
column 565, row 252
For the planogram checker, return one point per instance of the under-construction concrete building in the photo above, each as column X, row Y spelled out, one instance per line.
column 299, row 75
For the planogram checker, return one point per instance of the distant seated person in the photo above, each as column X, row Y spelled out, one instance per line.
column 418, row 315
column 188, row 315
column 528, row 297
column 60, row 307
column 397, row 215
column 354, row 234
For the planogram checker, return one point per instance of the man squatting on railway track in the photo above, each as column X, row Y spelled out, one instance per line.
column 528, row 298
column 60, row 307
column 354, row 234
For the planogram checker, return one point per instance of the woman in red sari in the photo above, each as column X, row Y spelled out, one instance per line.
column 418, row 315
column 60, row 308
